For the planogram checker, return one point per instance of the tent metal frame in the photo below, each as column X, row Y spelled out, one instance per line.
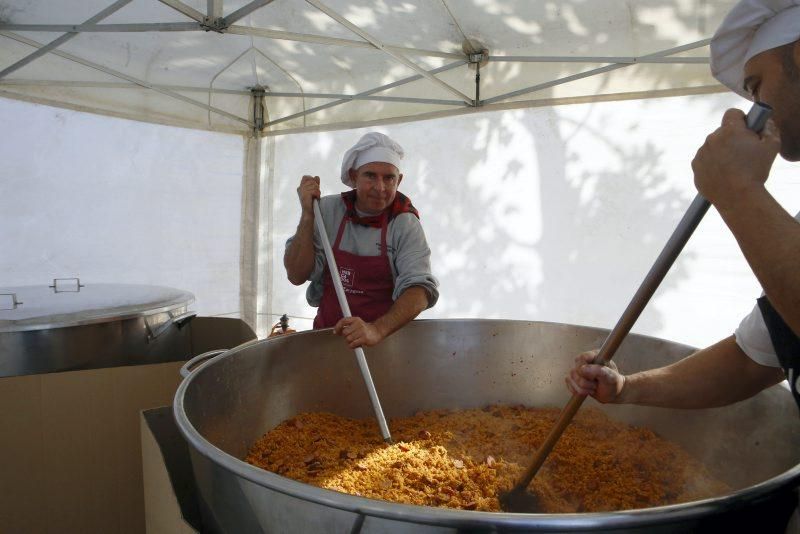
column 334, row 41
column 117, row 74
column 594, row 72
column 214, row 20
column 42, row 50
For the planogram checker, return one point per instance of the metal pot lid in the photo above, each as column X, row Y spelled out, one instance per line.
column 68, row 302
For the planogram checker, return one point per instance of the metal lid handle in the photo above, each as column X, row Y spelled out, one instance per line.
column 60, row 289
column 14, row 302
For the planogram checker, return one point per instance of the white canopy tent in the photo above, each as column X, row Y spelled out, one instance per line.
column 592, row 184
column 339, row 63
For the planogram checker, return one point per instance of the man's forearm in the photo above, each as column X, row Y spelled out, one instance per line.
column 770, row 240
column 408, row 305
column 715, row 376
column 299, row 256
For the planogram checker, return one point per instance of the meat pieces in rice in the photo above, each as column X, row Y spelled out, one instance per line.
column 465, row 459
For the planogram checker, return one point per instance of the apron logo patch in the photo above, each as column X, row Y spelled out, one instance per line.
column 347, row 276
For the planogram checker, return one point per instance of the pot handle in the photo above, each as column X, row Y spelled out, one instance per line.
column 155, row 330
column 181, row 320
column 188, row 367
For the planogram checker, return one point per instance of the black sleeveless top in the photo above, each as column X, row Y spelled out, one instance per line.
column 785, row 342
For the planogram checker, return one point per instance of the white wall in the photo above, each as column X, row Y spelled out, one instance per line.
column 551, row 214
column 110, row 200
column 548, row 214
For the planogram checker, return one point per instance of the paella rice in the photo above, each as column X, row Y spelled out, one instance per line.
column 464, row 459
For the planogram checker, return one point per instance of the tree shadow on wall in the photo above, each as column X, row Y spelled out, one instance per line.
column 577, row 247
column 572, row 254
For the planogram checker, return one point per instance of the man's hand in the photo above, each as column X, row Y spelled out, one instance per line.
column 734, row 160
column 299, row 256
column 603, row 382
column 307, row 191
column 357, row 332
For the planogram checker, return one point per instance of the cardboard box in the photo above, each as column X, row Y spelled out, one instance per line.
column 170, row 501
column 70, row 442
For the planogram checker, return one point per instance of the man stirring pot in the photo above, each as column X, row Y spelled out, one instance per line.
column 377, row 241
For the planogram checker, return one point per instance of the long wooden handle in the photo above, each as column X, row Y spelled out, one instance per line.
column 564, row 419
column 361, row 358
column 651, row 282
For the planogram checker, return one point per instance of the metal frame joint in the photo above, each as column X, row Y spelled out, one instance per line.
column 477, row 57
column 212, row 24
column 259, row 92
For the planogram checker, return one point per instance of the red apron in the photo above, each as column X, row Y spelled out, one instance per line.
column 367, row 282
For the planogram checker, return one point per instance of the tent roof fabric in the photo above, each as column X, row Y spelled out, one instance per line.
column 323, row 64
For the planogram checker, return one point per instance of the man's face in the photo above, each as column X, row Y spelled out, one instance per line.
column 773, row 77
column 376, row 186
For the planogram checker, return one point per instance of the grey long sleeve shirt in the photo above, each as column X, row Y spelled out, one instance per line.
column 408, row 251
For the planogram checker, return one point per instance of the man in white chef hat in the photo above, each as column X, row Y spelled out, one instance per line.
column 377, row 241
column 756, row 53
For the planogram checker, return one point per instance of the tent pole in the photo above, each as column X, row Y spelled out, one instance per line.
column 249, row 260
column 258, row 93
column 248, row 253
column 477, row 84
column 478, row 55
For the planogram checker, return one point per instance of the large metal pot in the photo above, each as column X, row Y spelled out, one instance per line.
column 230, row 401
column 69, row 326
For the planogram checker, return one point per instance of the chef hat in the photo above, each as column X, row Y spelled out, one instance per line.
column 751, row 27
column 372, row 147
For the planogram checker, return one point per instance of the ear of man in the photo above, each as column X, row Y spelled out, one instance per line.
column 796, row 50
column 791, row 60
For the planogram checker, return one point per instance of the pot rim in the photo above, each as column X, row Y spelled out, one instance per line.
column 462, row 518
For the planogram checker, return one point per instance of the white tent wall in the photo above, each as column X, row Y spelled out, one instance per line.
column 112, row 200
column 552, row 214
column 549, row 213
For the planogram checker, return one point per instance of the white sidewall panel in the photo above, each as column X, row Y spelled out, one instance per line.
column 552, row 214
column 111, row 200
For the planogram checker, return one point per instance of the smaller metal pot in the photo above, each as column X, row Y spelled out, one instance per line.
column 69, row 326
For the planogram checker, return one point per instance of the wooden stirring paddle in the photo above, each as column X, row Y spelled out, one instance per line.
column 360, row 356
column 519, row 500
